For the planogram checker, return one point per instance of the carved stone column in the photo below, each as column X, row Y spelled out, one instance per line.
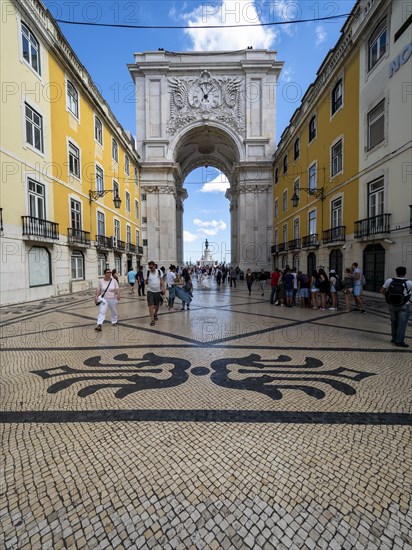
column 181, row 195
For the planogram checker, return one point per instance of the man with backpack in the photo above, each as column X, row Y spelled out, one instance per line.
column 398, row 294
column 155, row 289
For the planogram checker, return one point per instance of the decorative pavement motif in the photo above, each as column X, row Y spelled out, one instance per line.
column 236, row 425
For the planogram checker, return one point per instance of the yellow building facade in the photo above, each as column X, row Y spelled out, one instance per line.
column 70, row 193
column 316, row 168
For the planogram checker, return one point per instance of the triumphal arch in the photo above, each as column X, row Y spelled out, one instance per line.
column 207, row 109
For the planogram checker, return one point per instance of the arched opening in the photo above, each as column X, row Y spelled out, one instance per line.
column 336, row 261
column 206, row 216
column 311, row 262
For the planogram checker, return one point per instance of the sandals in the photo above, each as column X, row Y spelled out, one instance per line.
column 99, row 328
column 152, row 323
column 156, row 318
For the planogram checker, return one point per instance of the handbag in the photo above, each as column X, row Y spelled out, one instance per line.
column 99, row 298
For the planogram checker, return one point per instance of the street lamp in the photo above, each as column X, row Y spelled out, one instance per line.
column 94, row 195
column 317, row 193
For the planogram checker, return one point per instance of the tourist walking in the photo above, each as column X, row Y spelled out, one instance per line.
column 249, row 280
column 170, row 282
column 155, row 289
column 107, row 296
column 232, row 276
column 263, row 277
column 357, row 287
column 131, row 279
column 288, row 280
column 274, row 283
column 398, row 294
column 115, row 275
column 140, row 282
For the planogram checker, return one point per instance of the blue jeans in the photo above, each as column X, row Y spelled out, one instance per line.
column 399, row 322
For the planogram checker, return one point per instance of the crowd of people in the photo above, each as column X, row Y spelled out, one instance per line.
column 289, row 288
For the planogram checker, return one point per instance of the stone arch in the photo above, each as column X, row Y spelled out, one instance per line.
column 193, row 109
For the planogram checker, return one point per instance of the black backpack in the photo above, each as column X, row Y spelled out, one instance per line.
column 397, row 293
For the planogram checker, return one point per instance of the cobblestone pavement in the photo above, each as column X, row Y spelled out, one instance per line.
column 235, row 425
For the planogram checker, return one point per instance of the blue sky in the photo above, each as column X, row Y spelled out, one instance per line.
column 105, row 52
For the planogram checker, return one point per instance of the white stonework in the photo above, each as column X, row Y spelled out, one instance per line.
column 207, row 109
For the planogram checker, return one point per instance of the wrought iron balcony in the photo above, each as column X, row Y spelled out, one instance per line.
column 79, row 237
column 372, row 226
column 36, row 227
column 310, row 241
column 103, row 242
column 336, row 234
column 117, row 244
column 131, row 248
column 283, row 247
column 274, row 249
column 140, row 250
column 294, row 244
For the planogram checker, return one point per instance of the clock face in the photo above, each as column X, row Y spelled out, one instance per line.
column 205, row 94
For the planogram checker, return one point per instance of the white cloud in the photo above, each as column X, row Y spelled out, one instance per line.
column 229, row 12
column 287, row 74
column 320, row 35
column 189, row 237
column 217, row 185
column 209, row 228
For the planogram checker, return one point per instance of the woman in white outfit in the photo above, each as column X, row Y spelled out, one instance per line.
column 107, row 296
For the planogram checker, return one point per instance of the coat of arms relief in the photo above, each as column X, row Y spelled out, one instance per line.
column 205, row 98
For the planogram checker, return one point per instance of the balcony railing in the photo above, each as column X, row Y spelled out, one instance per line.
column 372, row 226
column 140, row 250
column 294, row 244
column 117, row 244
column 103, row 242
column 334, row 235
column 274, row 249
column 37, row 227
column 283, row 247
column 310, row 241
column 131, row 248
column 77, row 236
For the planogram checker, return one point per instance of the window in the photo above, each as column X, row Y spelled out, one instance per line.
column 127, row 165
column 276, row 237
column 101, row 264
column 37, row 205
column 285, row 233
column 128, row 234
column 296, row 149
column 144, row 242
column 74, row 160
column 98, row 130
column 143, row 197
column 115, row 150
column 377, row 44
column 115, row 189
column 118, row 264
column 312, row 222
column 376, row 125
column 296, row 228
column 276, row 208
column 72, row 99
column 127, row 201
column 100, row 224
column 376, row 198
column 336, row 212
column 136, row 177
column 285, row 200
column 99, row 179
column 30, row 48
column 276, row 175
column 77, row 263
column 296, row 261
column 136, row 209
column 75, row 214
column 144, row 220
column 285, row 164
column 116, row 230
column 337, row 96
column 312, row 128
column 39, row 266
column 34, row 128
column 312, row 177
column 137, row 237
column 336, row 154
